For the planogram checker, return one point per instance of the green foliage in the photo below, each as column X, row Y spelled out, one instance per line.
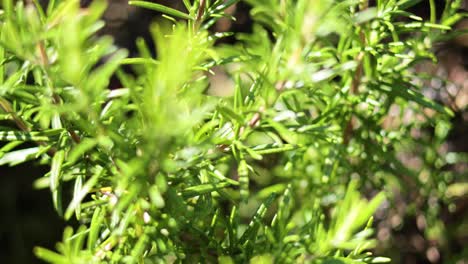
column 163, row 171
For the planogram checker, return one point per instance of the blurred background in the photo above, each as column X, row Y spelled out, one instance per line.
column 28, row 218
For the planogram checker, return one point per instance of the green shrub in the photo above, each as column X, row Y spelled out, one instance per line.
column 163, row 170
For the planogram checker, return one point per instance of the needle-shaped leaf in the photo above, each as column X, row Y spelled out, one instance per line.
column 96, row 222
column 161, row 8
column 29, row 136
column 55, row 177
column 19, row 156
column 243, row 174
column 251, row 231
column 50, row 256
column 80, row 194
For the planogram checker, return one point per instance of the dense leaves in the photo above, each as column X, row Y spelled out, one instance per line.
column 165, row 171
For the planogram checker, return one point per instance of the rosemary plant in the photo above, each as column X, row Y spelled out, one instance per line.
column 164, row 171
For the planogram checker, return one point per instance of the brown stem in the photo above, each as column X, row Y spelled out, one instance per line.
column 200, row 13
column 357, row 78
column 6, row 107
column 43, row 53
column 253, row 121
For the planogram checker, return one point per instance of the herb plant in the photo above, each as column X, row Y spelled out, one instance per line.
column 162, row 170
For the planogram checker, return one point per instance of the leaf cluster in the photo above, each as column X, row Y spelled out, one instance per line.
column 163, row 171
